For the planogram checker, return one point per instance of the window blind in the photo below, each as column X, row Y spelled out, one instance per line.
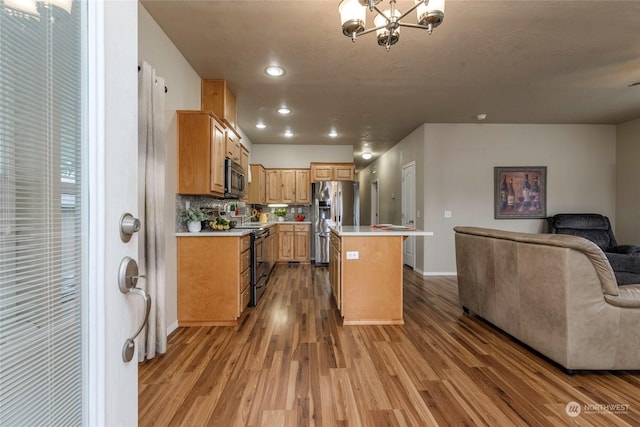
column 41, row 213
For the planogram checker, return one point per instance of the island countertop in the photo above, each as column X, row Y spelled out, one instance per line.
column 379, row 230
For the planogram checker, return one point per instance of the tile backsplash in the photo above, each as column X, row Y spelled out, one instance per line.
column 217, row 205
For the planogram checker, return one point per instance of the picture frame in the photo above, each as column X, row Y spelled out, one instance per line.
column 520, row 192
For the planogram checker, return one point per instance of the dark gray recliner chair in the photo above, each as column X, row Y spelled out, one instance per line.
column 624, row 259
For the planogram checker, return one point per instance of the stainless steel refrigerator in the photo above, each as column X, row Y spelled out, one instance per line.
column 335, row 203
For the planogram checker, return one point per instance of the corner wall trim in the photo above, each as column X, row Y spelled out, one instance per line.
column 172, row 327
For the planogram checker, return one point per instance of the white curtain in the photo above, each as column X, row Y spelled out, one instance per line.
column 151, row 158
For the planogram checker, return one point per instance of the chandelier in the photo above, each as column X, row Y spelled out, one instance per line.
column 387, row 23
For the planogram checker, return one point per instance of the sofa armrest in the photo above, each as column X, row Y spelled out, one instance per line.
column 623, row 262
column 624, row 249
column 628, row 297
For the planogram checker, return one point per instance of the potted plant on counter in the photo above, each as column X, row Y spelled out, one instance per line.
column 193, row 217
column 281, row 213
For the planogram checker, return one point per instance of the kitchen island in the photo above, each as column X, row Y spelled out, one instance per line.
column 365, row 271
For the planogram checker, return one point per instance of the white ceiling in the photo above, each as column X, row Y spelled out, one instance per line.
column 518, row 61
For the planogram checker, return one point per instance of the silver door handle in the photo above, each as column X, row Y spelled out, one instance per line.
column 127, row 280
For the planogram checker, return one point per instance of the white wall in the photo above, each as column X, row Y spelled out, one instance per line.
column 459, row 159
column 183, row 94
column 299, row 156
column 387, row 170
column 627, row 227
column 456, row 170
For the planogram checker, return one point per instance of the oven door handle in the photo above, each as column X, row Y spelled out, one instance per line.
column 262, row 233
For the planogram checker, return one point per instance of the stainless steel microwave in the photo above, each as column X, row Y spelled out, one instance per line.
column 235, row 183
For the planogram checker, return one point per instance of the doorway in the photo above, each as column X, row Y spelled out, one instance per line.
column 375, row 203
column 409, row 211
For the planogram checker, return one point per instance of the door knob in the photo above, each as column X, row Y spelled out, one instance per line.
column 127, row 280
column 128, row 225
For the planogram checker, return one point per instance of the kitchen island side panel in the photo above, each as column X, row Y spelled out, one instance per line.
column 208, row 280
column 372, row 284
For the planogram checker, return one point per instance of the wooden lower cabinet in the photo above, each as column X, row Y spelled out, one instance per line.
column 213, row 279
column 293, row 242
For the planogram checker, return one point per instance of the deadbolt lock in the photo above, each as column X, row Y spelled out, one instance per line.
column 128, row 225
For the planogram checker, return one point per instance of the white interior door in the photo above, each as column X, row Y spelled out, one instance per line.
column 68, row 170
column 409, row 210
column 114, row 191
column 375, row 203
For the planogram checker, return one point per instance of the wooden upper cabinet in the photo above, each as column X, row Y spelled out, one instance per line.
column 217, row 157
column 258, row 185
column 289, row 186
column 273, row 187
column 333, row 172
column 303, row 187
column 344, row 172
column 321, row 172
column 234, row 148
column 216, row 96
column 244, row 162
column 200, row 153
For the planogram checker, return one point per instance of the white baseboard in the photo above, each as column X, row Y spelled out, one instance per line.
column 439, row 273
column 172, row 327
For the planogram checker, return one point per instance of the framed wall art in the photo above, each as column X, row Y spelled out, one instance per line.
column 520, row 192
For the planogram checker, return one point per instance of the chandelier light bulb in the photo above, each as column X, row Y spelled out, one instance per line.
column 390, row 25
column 353, row 17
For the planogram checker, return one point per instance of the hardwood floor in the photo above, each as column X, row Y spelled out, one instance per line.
column 292, row 363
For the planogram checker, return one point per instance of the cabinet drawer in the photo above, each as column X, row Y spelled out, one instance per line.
column 245, row 243
column 245, row 260
column 301, row 227
column 244, row 298
column 285, row 227
column 335, row 241
column 245, row 278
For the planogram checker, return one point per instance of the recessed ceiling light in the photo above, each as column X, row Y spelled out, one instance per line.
column 367, row 155
column 333, row 134
column 288, row 133
column 261, row 126
column 284, row 110
column 274, row 71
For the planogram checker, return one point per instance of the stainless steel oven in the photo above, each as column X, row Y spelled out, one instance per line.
column 235, row 183
column 261, row 263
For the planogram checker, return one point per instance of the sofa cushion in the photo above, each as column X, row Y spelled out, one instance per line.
column 580, row 221
column 625, row 249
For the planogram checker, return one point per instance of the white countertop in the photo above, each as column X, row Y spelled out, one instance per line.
column 365, row 230
column 220, row 233
column 235, row 232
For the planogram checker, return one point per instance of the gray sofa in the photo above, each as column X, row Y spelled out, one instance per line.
column 555, row 293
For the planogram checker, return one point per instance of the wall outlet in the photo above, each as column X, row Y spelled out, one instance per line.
column 447, row 214
column 187, row 204
column 353, row 255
